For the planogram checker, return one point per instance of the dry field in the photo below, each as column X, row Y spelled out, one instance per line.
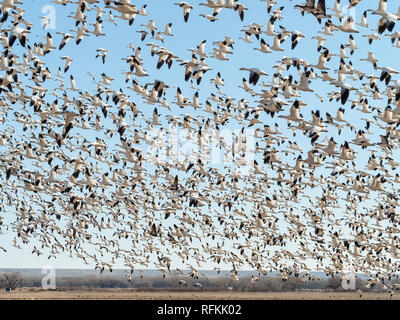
column 25, row 294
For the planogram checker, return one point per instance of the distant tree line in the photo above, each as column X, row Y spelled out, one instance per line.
column 183, row 283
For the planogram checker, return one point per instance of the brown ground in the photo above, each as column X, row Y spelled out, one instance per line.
column 26, row 294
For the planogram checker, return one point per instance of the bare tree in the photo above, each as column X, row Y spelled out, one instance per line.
column 12, row 280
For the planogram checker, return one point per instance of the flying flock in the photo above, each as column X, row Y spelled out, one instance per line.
column 76, row 173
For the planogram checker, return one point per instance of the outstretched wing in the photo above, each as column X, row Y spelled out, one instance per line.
column 321, row 6
column 310, row 3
